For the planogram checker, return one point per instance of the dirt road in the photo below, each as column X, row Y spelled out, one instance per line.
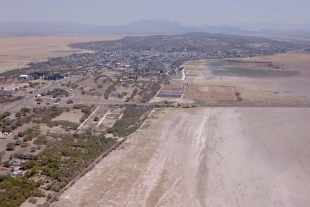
column 205, row 157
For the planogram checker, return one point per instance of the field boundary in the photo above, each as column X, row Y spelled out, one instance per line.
column 81, row 125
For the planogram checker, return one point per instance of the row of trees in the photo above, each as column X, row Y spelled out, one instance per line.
column 132, row 119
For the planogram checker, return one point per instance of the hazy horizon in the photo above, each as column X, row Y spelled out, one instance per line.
column 287, row 14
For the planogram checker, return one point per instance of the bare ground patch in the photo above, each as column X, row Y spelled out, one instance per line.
column 201, row 93
column 204, row 157
column 69, row 116
column 257, row 90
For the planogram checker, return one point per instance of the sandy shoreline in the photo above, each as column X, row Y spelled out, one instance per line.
column 205, row 157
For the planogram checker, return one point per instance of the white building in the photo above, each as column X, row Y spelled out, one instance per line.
column 24, row 76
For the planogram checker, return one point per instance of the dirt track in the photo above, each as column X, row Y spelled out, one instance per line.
column 205, row 157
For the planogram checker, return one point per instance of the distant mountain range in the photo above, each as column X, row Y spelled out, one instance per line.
column 138, row 27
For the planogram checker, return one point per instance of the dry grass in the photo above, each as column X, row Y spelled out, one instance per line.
column 221, row 93
column 16, row 52
column 172, row 89
column 69, row 116
column 297, row 60
column 262, row 90
column 202, row 93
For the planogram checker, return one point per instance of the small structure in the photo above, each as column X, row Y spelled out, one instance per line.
column 124, row 79
column 4, row 134
column 24, row 77
column 17, row 173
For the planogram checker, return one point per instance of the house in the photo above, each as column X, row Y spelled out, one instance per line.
column 16, row 174
column 123, row 79
column 4, row 134
column 25, row 77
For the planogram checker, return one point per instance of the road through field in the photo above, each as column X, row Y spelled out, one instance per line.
column 205, row 157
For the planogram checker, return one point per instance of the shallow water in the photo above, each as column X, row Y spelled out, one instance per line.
column 224, row 69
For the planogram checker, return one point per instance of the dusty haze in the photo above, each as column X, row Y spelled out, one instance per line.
column 276, row 14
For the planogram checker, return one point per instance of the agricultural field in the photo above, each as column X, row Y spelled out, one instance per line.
column 278, row 79
column 171, row 91
column 201, row 93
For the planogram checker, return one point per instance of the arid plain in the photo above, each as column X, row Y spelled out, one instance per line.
column 206, row 156
column 18, row 51
column 215, row 156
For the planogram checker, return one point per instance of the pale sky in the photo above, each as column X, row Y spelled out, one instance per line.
column 187, row 12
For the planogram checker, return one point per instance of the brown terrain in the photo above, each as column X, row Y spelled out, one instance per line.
column 214, row 156
column 271, row 90
column 17, row 52
column 205, row 157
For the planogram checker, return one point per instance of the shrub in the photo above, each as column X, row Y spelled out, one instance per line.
column 10, row 147
column 24, row 145
column 32, row 200
column 33, row 149
column 4, row 115
column 78, row 106
column 70, row 102
column 18, row 142
column 48, row 196
column 96, row 118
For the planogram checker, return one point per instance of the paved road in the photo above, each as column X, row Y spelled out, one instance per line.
column 185, row 105
column 25, row 102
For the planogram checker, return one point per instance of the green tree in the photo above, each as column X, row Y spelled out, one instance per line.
column 10, row 146
column 18, row 142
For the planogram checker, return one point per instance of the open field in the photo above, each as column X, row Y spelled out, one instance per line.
column 171, row 91
column 17, row 51
column 278, row 79
column 205, row 157
column 69, row 116
column 201, row 93
column 221, row 93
